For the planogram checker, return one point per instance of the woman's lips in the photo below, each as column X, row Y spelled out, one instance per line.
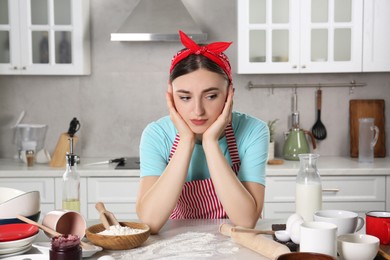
column 198, row 121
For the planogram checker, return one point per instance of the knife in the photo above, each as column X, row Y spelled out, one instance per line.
column 117, row 160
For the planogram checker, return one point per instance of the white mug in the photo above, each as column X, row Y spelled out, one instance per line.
column 318, row 237
column 346, row 221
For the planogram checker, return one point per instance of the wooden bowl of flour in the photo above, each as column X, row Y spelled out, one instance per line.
column 139, row 234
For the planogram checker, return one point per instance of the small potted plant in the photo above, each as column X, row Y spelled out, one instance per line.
column 271, row 146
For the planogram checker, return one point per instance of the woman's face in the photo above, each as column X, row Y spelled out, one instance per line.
column 199, row 98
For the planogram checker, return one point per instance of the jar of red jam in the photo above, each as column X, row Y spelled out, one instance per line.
column 66, row 247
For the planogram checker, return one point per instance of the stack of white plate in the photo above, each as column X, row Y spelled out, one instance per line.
column 16, row 239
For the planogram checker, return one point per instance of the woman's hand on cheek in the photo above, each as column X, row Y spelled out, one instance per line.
column 218, row 127
column 180, row 124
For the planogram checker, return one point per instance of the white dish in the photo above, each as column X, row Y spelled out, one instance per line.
column 29, row 257
column 8, row 256
column 18, row 243
column 6, row 251
column 25, row 204
column 44, row 248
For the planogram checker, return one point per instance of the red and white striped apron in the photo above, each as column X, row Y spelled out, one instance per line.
column 198, row 199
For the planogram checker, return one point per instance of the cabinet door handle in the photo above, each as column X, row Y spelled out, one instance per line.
column 24, row 68
column 331, row 190
column 294, row 66
column 303, row 67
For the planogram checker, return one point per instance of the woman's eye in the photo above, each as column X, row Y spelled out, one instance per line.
column 211, row 96
column 184, row 98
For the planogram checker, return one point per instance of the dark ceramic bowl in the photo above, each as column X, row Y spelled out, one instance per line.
column 305, row 256
column 34, row 217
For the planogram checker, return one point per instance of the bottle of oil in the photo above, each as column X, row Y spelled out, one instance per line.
column 71, row 182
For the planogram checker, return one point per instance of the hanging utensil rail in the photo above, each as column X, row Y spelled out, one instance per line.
column 351, row 85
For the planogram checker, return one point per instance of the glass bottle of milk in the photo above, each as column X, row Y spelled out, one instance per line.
column 308, row 191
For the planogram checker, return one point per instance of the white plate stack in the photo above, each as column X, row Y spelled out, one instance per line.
column 16, row 247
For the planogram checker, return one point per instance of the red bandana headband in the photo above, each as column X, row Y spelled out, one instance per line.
column 213, row 51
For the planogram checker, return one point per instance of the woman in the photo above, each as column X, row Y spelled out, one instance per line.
column 203, row 160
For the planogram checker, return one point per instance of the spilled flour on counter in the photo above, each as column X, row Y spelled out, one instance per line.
column 190, row 245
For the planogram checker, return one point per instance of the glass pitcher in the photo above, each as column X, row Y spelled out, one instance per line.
column 308, row 191
column 368, row 136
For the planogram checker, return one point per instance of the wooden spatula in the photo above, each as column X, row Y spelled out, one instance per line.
column 106, row 217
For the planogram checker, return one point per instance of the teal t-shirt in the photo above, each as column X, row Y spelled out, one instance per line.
column 252, row 138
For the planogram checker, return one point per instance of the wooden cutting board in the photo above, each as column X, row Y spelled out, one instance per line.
column 375, row 108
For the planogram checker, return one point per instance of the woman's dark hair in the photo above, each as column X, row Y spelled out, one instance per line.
column 193, row 63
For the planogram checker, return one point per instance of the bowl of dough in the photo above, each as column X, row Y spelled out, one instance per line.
column 127, row 235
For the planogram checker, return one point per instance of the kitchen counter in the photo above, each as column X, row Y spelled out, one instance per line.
column 327, row 165
column 203, row 241
column 166, row 244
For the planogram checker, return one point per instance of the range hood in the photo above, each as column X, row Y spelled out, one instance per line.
column 158, row 20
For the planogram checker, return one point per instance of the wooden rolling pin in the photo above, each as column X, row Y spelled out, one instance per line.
column 258, row 243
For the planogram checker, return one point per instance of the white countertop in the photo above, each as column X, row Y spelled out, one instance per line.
column 161, row 245
column 327, row 165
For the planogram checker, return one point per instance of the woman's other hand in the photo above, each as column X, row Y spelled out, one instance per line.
column 216, row 130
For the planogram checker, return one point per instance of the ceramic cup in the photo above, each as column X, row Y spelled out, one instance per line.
column 378, row 224
column 357, row 246
column 346, row 221
column 318, row 237
column 65, row 222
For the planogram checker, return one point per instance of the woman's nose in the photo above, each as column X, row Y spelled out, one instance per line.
column 199, row 108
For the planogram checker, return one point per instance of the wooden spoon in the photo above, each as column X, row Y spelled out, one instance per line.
column 51, row 231
column 106, row 217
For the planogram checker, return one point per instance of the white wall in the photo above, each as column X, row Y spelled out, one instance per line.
column 128, row 81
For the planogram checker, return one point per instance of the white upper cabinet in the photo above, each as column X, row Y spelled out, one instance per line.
column 299, row 36
column 44, row 37
column 376, row 40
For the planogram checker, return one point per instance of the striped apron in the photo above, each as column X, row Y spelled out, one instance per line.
column 198, row 199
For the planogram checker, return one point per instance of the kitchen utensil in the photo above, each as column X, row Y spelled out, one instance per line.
column 63, row 145
column 253, row 231
column 120, row 242
column 357, row 246
column 305, row 256
column 50, row 231
column 17, row 231
column 16, row 202
column 65, row 222
column 296, row 142
column 384, row 252
column 346, row 221
column 106, row 217
column 29, row 137
column 116, row 160
column 20, row 118
column 363, row 108
column 378, row 224
column 318, row 237
column 319, row 130
column 258, row 243
column 368, row 137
